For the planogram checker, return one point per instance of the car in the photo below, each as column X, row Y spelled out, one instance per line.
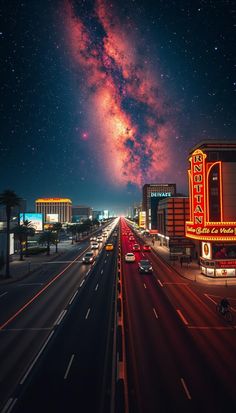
column 99, row 239
column 136, row 247
column 88, row 258
column 94, row 245
column 146, row 247
column 145, row 266
column 109, row 247
column 93, row 239
column 131, row 238
column 129, row 257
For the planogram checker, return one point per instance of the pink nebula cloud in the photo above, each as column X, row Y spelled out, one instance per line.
column 128, row 154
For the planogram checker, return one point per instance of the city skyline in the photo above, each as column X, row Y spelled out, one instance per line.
column 100, row 98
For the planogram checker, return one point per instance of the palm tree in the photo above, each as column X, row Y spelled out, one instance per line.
column 57, row 228
column 29, row 232
column 22, row 232
column 9, row 199
column 73, row 231
column 47, row 237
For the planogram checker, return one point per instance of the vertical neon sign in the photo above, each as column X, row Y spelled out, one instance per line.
column 197, row 161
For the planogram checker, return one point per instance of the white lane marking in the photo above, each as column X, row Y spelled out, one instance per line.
column 101, row 271
column 144, row 285
column 159, row 281
column 36, row 358
column 87, row 314
column 209, row 298
column 156, row 315
column 2, row 295
column 61, row 315
column 185, row 388
column 69, row 366
column 182, row 317
column 29, row 284
column 143, row 254
column 87, row 272
column 96, row 287
column 81, row 283
column 73, row 297
column 9, row 405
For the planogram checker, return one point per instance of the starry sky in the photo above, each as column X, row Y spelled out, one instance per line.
column 99, row 97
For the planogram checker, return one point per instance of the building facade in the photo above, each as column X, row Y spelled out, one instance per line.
column 172, row 214
column 152, row 194
column 81, row 213
column 52, row 206
column 212, row 192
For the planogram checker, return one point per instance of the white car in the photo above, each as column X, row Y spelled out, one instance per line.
column 94, row 246
column 93, row 239
column 99, row 239
column 129, row 257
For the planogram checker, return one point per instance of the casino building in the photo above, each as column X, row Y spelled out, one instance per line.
column 61, row 207
column 212, row 202
column 152, row 194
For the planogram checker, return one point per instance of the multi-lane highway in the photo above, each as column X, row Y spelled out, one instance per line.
column 56, row 337
column 181, row 355
column 104, row 337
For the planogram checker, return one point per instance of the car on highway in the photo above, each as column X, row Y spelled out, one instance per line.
column 146, row 247
column 136, row 247
column 99, row 239
column 109, row 247
column 88, row 258
column 93, row 239
column 129, row 257
column 145, row 266
column 94, row 245
column 131, row 238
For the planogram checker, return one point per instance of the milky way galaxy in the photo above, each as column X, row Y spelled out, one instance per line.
column 132, row 125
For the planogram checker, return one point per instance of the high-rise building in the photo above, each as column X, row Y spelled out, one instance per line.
column 60, row 206
column 152, row 194
column 81, row 213
column 212, row 193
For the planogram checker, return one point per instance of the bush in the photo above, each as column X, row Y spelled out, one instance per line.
column 36, row 250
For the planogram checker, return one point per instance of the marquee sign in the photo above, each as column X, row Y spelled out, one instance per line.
column 199, row 227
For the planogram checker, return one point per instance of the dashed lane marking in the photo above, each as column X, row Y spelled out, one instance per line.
column 159, row 282
column 209, row 298
column 87, row 314
column 185, row 388
column 182, row 317
column 156, row 315
column 69, row 366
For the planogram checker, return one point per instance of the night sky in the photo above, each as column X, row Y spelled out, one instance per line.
column 100, row 97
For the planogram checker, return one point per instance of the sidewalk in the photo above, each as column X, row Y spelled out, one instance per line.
column 189, row 271
column 21, row 269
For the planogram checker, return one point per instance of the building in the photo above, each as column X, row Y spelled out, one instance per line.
column 55, row 206
column 212, row 191
column 172, row 214
column 152, row 194
column 81, row 213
